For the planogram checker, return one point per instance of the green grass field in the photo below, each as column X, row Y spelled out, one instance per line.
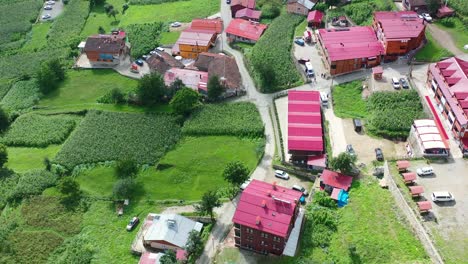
column 37, row 36
column 24, row 159
column 459, row 33
column 347, row 100
column 98, row 18
column 194, row 166
column 299, row 32
column 168, row 38
column 432, row 52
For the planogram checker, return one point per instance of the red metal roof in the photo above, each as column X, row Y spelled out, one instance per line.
column 409, row 176
column 305, row 131
column 319, row 161
column 445, row 11
column 416, row 189
column 315, row 16
column 377, row 70
column 215, row 25
column 400, row 25
column 249, row 13
column 336, row 179
column 267, row 207
column 424, row 205
column 196, row 37
column 402, row 164
column 246, row 29
column 192, row 79
column 352, row 43
column 246, row 3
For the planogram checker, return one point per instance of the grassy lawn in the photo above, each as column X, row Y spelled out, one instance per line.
column 459, row 33
column 183, row 11
column 98, row 18
column 38, row 38
column 169, row 37
column 432, row 51
column 194, row 166
column 23, row 159
column 347, row 100
column 300, row 29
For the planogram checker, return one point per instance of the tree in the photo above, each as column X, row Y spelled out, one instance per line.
column 57, row 68
column 4, row 120
column 332, row 2
column 344, row 162
column 50, row 74
column 124, row 8
column 175, row 86
column 236, row 173
column 70, row 192
column 194, row 245
column 113, row 12
column 210, row 201
column 47, row 164
column 184, row 101
column 322, row 199
column 116, row 96
column 124, row 188
column 126, row 168
column 101, row 30
column 267, row 79
column 3, row 155
column 433, row 6
column 151, row 89
column 215, row 88
column 168, row 258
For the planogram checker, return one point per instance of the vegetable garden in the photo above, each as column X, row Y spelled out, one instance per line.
column 23, row 94
column 360, row 11
column 144, row 37
column 107, row 136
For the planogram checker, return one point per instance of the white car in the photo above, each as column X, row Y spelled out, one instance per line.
column 245, row 184
column 176, row 24
column 46, row 16
column 442, row 197
column 426, row 17
column 395, row 83
column 425, row 171
column 47, row 7
column 50, row 3
column 281, row 174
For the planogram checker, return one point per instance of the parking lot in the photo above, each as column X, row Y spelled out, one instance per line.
column 57, row 9
column 451, row 218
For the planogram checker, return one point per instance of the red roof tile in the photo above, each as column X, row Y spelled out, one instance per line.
column 336, row 179
column 266, row 207
column 196, row 37
column 319, row 161
column 424, row 205
column 249, row 13
column 215, row 25
column 402, row 164
column 416, row 189
column 355, row 43
column 246, row 29
column 315, row 16
column 246, row 3
column 409, row 176
column 400, row 25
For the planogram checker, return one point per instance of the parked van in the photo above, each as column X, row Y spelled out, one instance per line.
column 442, row 197
column 357, row 125
column 309, row 70
column 324, row 98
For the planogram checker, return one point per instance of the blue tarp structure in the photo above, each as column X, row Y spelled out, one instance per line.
column 343, row 198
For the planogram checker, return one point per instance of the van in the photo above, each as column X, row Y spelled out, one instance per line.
column 309, row 70
column 357, row 125
column 324, row 98
column 442, row 197
column 395, row 83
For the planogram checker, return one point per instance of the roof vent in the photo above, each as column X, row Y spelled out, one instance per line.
column 263, row 203
column 269, row 193
column 171, row 223
column 274, row 185
column 258, row 220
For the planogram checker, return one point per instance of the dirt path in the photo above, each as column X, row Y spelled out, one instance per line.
column 413, row 221
column 444, row 39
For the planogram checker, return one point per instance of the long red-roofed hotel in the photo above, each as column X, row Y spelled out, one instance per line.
column 268, row 219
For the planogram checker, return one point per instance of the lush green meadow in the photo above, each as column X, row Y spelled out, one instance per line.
column 31, row 130
column 360, row 11
column 22, row 159
column 169, row 37
column 432, row 51
column 347, row 100
column 238, row 119
column 37, row 38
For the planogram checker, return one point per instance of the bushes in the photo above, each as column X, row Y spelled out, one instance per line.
column 347, row 100
column 33, row 130
column 151, row 2
column 77, row 249
column 31, row 183
column 448, row 22
column 238, row 119
column 106, row 136
column 322, row 223
column 23, row 94
column 270, row 10
column 16, row 18
column 65, row 30
column 144, row 37
column 49, row 76
column 393, row 113
column 360, row 12
column 271, row 57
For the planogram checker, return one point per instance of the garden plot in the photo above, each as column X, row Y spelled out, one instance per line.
column 107, row 136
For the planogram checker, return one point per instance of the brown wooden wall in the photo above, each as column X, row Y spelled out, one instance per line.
column 297, row 8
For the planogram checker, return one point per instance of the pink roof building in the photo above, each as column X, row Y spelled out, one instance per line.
column 314, row 18
column 305, row 132
column 265, row 212
column 243, row 30
column 249, row 14
column 335, row 180
column 215, row 25
column 197, row 80
column 237, row 5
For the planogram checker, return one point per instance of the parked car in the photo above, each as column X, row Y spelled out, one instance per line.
column 309, row 70
column 176, row 24
column 357, row 123
column 245, row 184
column 139, row 62
column 50, row 3
column 303, row 60
column 442, row 197
column 134, row 222
column 395, row 83
column 281, row 174
column 159, row 49
column 425, row 171
column 47, row 7
column 228, row 2
column 46, row 16
column 145, row 57
column 299, row 42
column 426, row 17
column 324, row 99
column 300, row 189
column 379, row 154
column 350, row 150
column 404, row 84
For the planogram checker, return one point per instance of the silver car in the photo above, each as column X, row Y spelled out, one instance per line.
column 281, row 174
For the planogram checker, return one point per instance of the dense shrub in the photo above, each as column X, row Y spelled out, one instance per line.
column 16, row 18
column 238, row 119
column 144, row 37
column 8, row 181
column 321, row 223
column 31, row 183
column 114, row 96
column 152, row 2
column 33, row 246
column 448, row 22
column 78, row 250
column 360, row 12
column 106, row 136
column 271, row 59
column 23, row 94
column 270, row 10
column 126, row 168
column 392, row 113
column 33, row 130
column 66, row 29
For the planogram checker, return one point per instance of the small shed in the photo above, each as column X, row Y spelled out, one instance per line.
column 416, row 190
column 314, row 18
column 377, row 72
column 444, row 11
column 424, row 206
column 409, row 177
column 402, row 165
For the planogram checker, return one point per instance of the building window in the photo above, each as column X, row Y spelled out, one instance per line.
column 333, row 66
column 249, row 230
column 276, row 239
column 265, row 235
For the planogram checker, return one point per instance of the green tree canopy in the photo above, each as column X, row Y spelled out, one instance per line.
column 49, row 75
column 168, row 258
column 194, row 244
column 4, row 120
column 124, row 188
column 151, row 89
column 70, row 192
column 3, row 155
column 215, row 88
column 210, row 200
column 236, row 173
column 184, row 101
column 344, row 162
column 126, row 168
